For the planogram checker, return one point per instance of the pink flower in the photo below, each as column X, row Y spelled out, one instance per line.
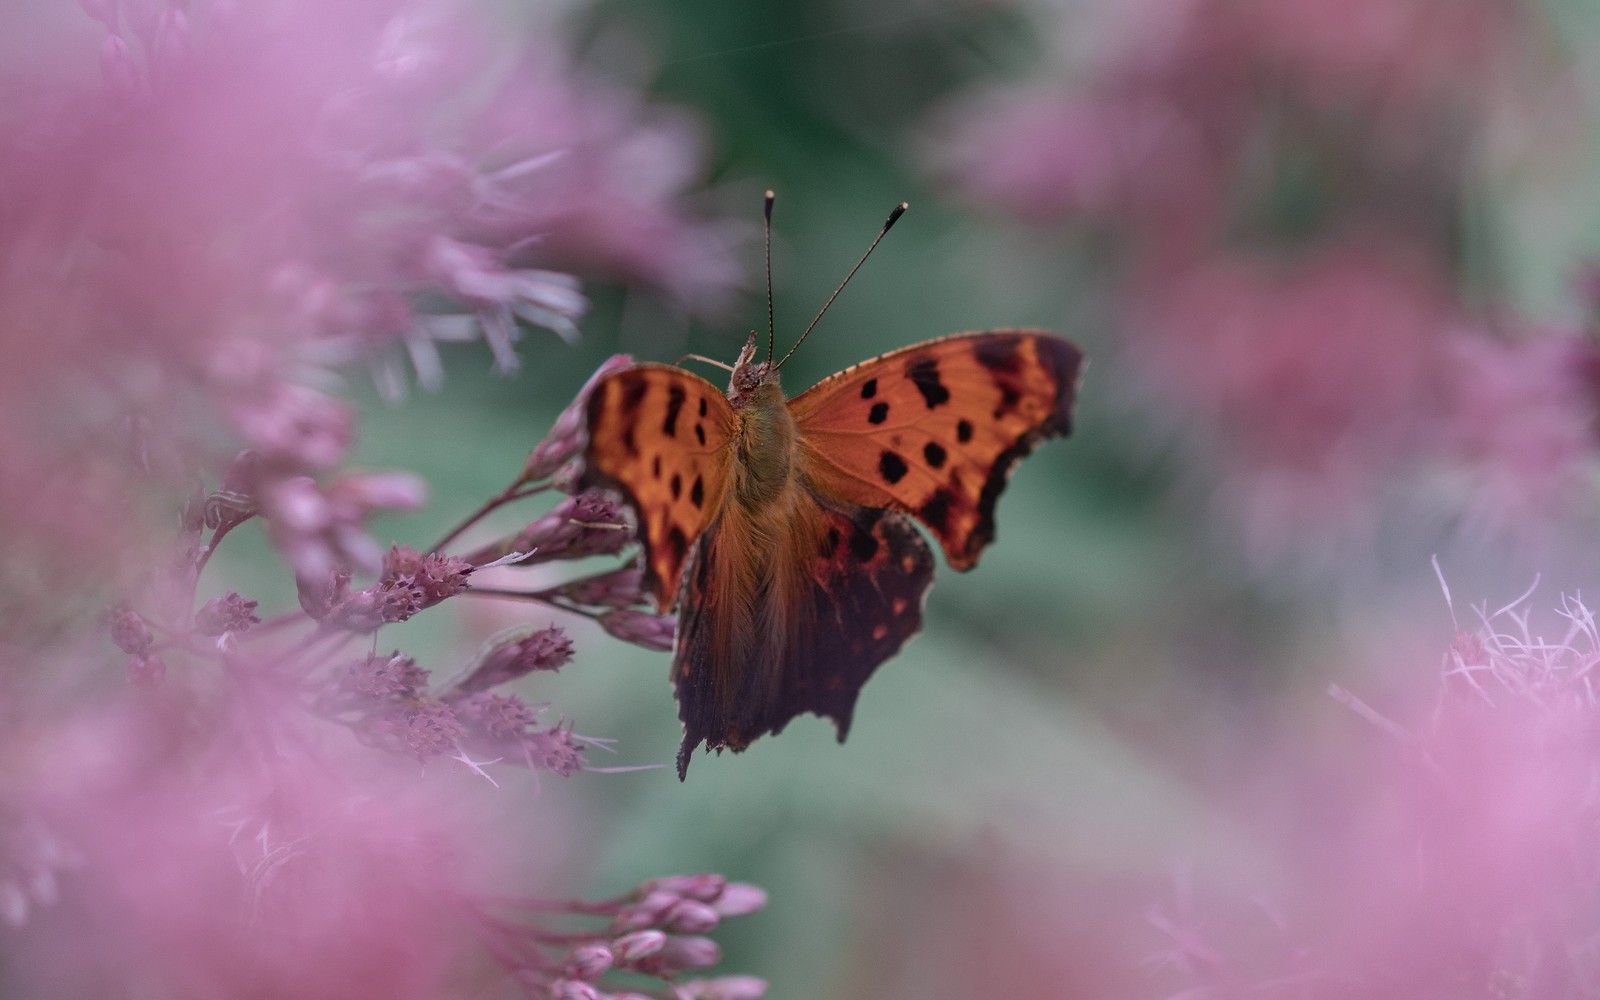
column 1276, row 186
column 1518, row 430
column 236, row 874
column 322, row 531
column 641, row 628
column 266, row 193
column 516, row 653
column 1311, row 384
column 198, row 237
column 1118, row 155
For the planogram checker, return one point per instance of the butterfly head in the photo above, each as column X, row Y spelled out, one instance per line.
column 750, row 376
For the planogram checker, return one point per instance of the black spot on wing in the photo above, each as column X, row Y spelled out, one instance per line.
column 999, row 353
column 678, row 543
column 633, row 394
column 878, row 414
column 655, row 467
column 628, row 443
column 869, row 388
column 863, row 544
column 676, row 486
column 675, row 400
column 700, row 430
column 963, row 431
column 935, row 454
column 924, row 374
column 697, row 493
column 1009, row 398
column 703, row 405
column 892, row 467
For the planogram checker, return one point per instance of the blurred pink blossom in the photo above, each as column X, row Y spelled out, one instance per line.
column 1429, row 841
column 257, row 193
column 1281, row 186
column 1312, row 381
column 206, row 218
column 1151, row 113
column 1519, row 429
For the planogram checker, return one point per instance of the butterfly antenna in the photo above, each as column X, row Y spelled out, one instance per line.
column 767, row 229
column 893, row 217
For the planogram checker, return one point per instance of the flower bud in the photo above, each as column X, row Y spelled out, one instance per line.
column 704, row 887
column 620, row 588
column 725, row 988
column 647, row 912
column 682, row 953
column 589, row 524
column 572, row 989
column 515, row 653
column 587, row 961
column 130, row 633
column 641, row 628
column 690, row 916
column 630, row 948
column 740, row 898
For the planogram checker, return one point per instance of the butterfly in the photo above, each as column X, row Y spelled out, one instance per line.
column 781, row 529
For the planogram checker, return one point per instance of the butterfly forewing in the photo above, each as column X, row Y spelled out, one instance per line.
column 660, row 435
column 934, row 429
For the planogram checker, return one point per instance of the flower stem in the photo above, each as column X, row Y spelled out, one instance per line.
column 516, row 491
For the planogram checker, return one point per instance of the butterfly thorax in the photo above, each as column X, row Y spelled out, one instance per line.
column 764, row 447
column 764, row 442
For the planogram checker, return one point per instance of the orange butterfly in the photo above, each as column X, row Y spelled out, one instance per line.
column 779, row 525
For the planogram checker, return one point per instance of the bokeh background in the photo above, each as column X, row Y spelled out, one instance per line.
column 1207, row 720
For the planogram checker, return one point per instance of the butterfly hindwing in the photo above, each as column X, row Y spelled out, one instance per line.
column 745, row 667
column 660, row 436
column 934, row 429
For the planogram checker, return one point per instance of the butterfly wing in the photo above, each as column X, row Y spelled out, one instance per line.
column 768, row 632
column 660, row 436
column 935, row 429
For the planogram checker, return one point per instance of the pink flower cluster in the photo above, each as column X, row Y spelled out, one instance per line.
column 211, row 792
column 1438, row 847
column 656, row 931
column 258, row 193
column 1456, row 864
column 1282, row 185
